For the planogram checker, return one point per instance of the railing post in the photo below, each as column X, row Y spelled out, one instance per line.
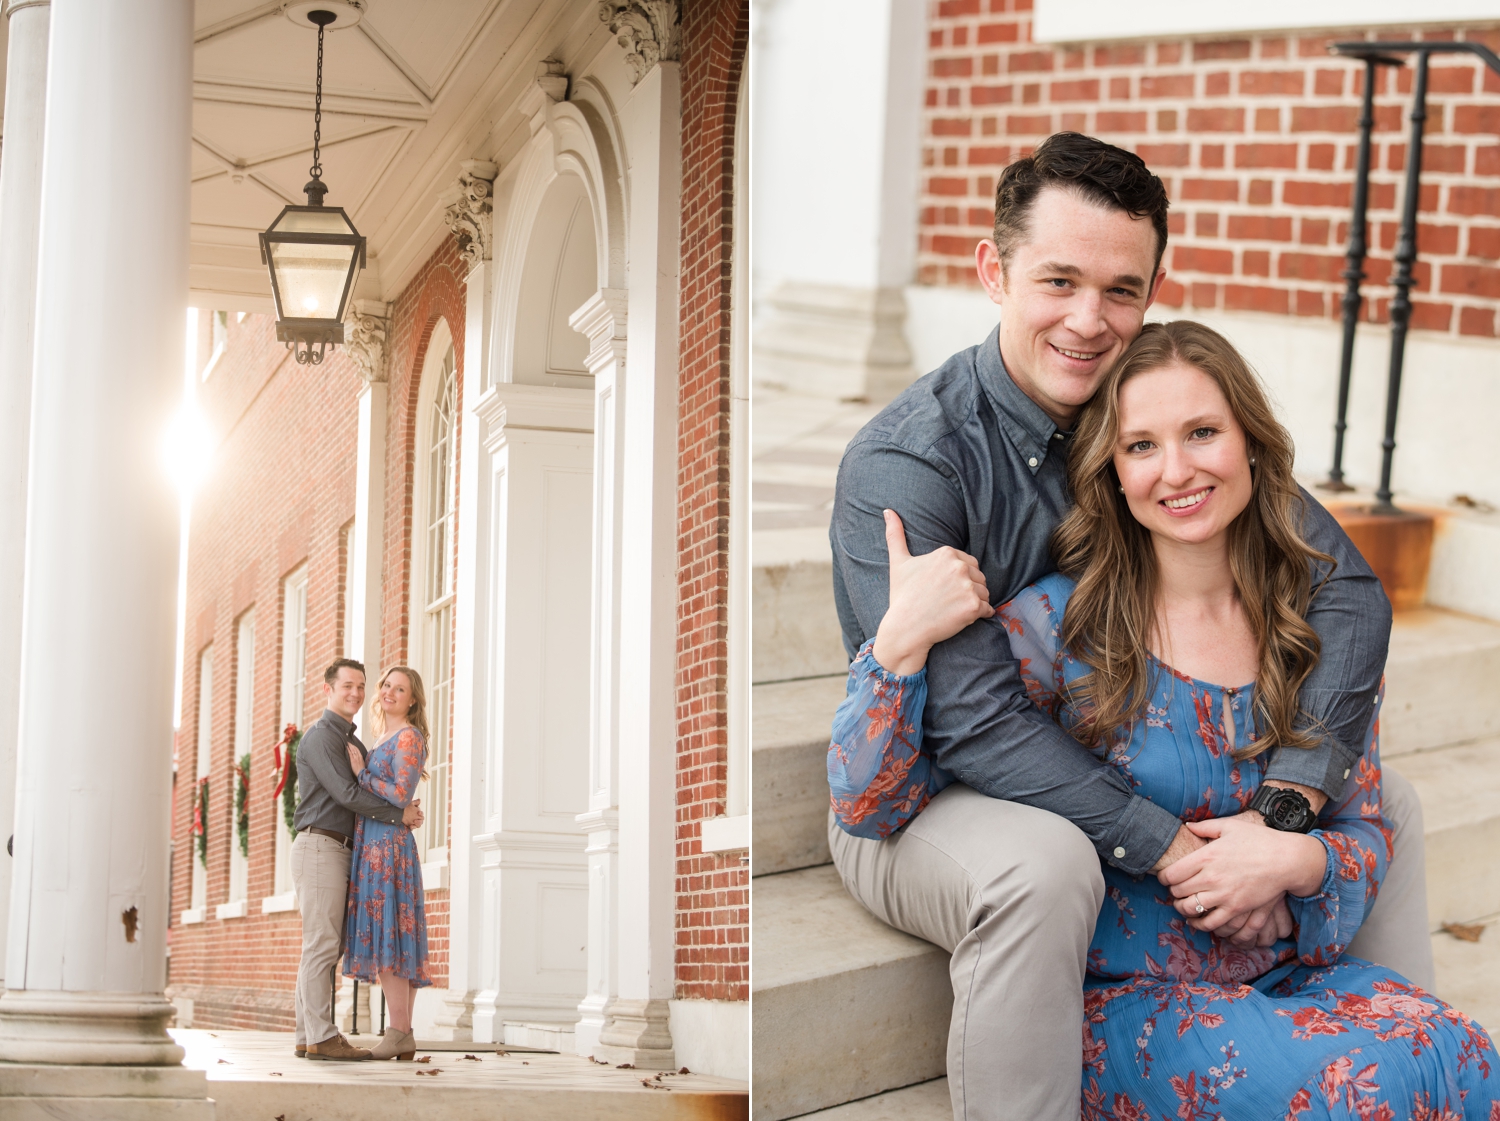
column 1354, row 267
column 1401, row 281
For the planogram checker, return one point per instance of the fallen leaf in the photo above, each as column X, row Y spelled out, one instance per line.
column 433, row 1071
column 475, row 1058
column 425, row 1059
column 226, row 1062
column 524, row 1063
column 1464, row 932
column 684, row 1070
column 625, row 1066
column 276, row 1074
column 646, row 1082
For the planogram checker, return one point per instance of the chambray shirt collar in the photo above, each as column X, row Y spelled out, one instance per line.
column 338, row 723
column 1030, row 430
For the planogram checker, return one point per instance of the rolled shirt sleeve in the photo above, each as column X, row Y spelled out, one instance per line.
column 1352, row 617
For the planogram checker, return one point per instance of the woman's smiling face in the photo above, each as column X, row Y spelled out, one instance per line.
column 1181, row 454
column 395, row 695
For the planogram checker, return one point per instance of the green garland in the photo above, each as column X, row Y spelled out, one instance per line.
column 203, row 822
column 242, row 804
column 289, row 791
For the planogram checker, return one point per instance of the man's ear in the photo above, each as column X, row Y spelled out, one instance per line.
column 1161, row 276
column 991, row 269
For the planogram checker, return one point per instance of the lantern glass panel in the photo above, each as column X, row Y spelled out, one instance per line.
column 311, row 278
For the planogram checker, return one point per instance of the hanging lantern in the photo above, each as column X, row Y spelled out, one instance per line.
column 313, row 252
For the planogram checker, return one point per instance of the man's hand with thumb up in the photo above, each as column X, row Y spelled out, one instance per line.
column 933, row 597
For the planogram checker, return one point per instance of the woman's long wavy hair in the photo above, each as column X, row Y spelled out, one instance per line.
column 1112, row 616
column 416, row 714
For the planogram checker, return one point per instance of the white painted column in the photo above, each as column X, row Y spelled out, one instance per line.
column 86, row 955
column 455, row 1018
column 533, row 884
column 636, row 1028
column 367, row 330
column 602, row 321
column 836, row 238
column 20, row 216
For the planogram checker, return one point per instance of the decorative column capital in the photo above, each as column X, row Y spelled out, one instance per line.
column 649, row 31
column 467, row 210
column 365, row 337
column 549, row 88
column 601, row 320
column 9, row 8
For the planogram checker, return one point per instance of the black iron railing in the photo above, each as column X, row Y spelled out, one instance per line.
column 1376, row 54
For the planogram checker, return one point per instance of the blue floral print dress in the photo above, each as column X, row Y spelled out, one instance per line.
column 385, row 920
column 1178, row 1024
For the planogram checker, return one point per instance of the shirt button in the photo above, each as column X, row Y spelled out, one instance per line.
column 1032, row 461
column 1119, row 853
column 1346, row 772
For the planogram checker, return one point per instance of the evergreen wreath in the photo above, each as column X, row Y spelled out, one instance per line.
column 201, row 824
column 242, row 804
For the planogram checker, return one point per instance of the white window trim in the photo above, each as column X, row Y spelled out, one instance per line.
column 1076, row 21
column 291, row 711
column 191, row 917
column 240, row 743
column 726, row 834
column 737, row 683
column 235, row 910
column 274, row 904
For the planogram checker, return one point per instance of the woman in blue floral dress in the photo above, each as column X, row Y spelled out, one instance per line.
column 1183, row 551
column 385, row 920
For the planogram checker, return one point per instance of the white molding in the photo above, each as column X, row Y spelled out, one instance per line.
column 435, row 874
column 1067, row 21
column 236, row 910
column 191, row 917
column 538, row 407
column 726, row 834
column 275, row 904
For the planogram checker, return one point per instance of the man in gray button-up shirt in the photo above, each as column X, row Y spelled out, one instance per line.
column 328, row 798
column 1002, row 867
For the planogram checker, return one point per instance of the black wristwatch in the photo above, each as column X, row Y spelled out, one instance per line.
column 1284, row 809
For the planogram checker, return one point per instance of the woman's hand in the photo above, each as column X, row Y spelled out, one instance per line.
column 1245, row 868
column 933, row 597
column 356, row 760
column 412, row 817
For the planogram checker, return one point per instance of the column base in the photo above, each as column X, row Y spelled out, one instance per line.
column 87, row 1029
column 455, row 1019
column 830, row 341
column 637, row 1032
column 46, row 1092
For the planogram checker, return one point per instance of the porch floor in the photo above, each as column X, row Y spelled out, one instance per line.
column 254, row 1076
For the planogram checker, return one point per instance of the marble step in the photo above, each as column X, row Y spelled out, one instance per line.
column 1440, row 677
column 1460, row 792
column 845, row 1006
column 789, row 775
column 1468, row 973
column 926, row 1101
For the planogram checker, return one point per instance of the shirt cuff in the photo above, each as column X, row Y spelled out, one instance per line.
column 866, row 664
column 1325, row 767
column 1143, row 833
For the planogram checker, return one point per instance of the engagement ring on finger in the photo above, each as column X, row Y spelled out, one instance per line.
column 1197, row 905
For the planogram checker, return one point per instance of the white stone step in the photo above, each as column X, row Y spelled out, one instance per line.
column 1440, row 676
column 926, row 1101
column 845, row 1006
column 789, row 772
column 794, row 626
column 1468, row 974
column 1460, row 792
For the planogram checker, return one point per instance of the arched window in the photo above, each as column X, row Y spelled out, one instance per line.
column 432, row 580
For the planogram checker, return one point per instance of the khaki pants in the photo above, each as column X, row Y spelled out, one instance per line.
column 320, row 873
column 1012, row 892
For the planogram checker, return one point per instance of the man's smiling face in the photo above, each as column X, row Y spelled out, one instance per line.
column 1072, row 297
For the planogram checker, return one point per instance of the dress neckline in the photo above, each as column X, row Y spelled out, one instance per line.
column 1177, row 673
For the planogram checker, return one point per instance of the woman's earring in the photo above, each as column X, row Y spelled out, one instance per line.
column 1252, row 461
column 1120, row 489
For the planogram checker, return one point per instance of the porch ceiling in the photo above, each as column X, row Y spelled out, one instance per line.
column 415, row 87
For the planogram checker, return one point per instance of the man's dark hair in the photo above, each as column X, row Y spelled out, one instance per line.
column 330, row 675
column 1099, row 172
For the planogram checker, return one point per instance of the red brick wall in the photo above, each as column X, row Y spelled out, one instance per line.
column 713, row 889
column 282, row 492
column 1255, row 137
column 286, row 431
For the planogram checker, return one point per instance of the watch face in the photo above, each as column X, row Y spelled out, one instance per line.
column 1287, row 811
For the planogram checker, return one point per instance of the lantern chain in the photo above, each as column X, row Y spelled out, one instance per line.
column 316, row 171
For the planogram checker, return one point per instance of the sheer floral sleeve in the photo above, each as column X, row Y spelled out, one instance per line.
column 1359, row 840
column 879, row 777
column 407, row 756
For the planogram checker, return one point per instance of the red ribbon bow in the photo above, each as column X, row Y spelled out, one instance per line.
column 281, row 762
